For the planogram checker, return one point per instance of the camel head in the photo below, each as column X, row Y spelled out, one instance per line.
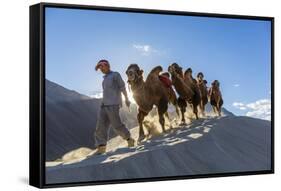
column 200, row 76
column 188, row 73
column 134, row 73
column 216, row 84
column 175, row 69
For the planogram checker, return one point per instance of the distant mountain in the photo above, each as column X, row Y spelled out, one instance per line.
column 57, row 93
column 225, row 112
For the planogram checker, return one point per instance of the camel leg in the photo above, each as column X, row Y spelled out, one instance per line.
column 203, row 110
column 219, row 110
column 162, row 122
column 195, row 111
column 162, row 109
column 201, row 107
column 167, row 115
column 141, row 116
column 205, row 102
column 182, row 114
column 182, row 104
column 218, row 105
column 214, row 109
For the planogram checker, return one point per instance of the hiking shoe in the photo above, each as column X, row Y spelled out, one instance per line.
column 131, row 142
column 100, row 150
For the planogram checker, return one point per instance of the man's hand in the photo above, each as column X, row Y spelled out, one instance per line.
column 127, row 102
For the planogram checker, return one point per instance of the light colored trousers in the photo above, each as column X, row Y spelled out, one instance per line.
column 109, row 115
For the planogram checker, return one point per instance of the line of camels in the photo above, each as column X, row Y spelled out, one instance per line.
column 157, row 89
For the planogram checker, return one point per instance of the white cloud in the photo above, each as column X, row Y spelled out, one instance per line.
column 236, row 85
column 96, row 95
column 243, row 108
column 259, row 109
column 263, row 102
column 239, row 105
column 145, row 49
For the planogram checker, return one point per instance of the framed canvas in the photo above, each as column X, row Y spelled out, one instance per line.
column 123, row 95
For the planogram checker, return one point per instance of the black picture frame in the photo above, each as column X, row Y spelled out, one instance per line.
column 37, row 93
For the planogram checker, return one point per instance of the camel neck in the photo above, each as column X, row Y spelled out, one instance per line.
column 189, row 77
column 137, row 85
column 176, row 77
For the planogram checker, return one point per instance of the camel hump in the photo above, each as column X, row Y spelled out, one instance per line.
column 156, row 70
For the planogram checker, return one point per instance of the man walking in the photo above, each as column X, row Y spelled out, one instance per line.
column 113, row 86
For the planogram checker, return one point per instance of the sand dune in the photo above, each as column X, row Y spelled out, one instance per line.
column 71, row 120
column 211, row 145
column 207, row 145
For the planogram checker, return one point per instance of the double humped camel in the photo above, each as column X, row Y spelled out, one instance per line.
column 148, row 93
column 186, row 88
column 202, row 84
column 216, row 97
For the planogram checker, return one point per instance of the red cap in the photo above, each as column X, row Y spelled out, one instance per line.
column 101, row 63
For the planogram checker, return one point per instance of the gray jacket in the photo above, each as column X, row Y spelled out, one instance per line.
column 112, row 86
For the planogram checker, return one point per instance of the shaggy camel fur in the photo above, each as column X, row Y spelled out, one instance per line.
column 186, row 88
column 148, row 93
column 202, row 84
column 192, row 83
column 216, row 97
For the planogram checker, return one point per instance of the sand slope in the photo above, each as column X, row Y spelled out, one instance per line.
column 71, row 120
column 212, row 145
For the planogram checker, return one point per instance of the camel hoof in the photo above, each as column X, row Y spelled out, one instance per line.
column 182, row 124
column 141, row 138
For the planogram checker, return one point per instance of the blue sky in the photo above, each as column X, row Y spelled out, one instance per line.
column 236, row 52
